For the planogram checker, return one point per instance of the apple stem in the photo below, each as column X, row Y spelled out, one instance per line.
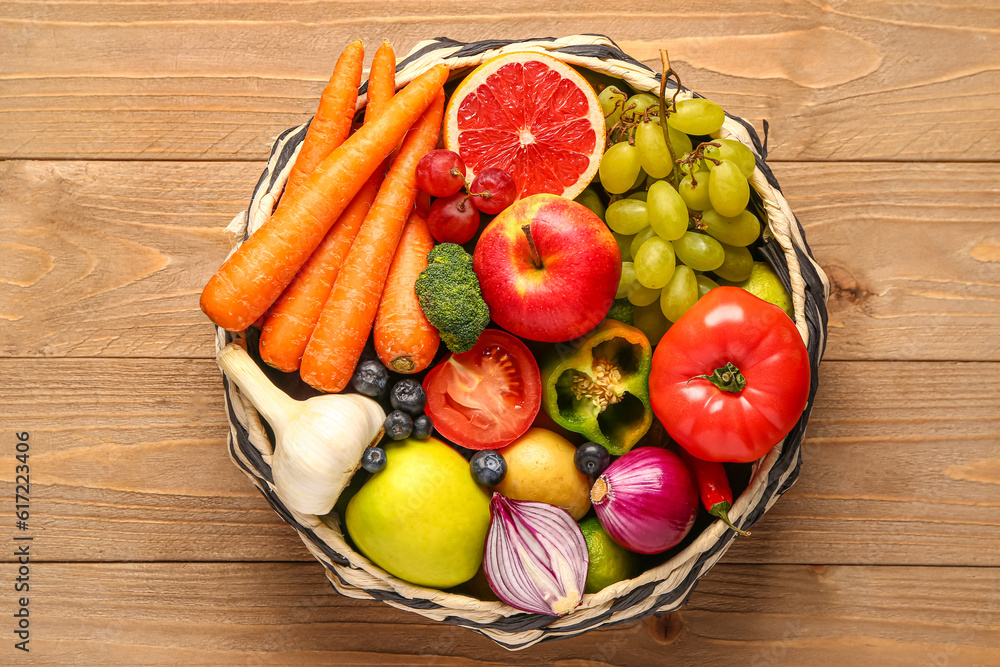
column 535, row 259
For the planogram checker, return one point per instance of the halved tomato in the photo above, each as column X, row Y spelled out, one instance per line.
column 487, row 397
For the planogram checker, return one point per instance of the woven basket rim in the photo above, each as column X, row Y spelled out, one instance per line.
column 713, row 540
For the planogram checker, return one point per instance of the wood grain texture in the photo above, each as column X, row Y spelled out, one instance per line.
column 108, row 258
column 851, row 80
column 286, row 613
column 129, row 462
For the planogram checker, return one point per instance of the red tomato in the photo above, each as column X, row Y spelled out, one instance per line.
column 714, row 418
column 487, row 397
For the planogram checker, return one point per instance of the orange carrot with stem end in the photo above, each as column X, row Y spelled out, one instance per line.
column 294, row 315
column 332, row 123
column 404, row 340
column 340, row 335
column 256, row 274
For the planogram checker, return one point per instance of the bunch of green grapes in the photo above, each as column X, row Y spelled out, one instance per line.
column 677, row 210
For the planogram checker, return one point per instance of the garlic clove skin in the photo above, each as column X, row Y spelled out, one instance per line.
column 536, row 558
column 319, row 441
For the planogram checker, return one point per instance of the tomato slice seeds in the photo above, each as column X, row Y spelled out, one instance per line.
column 487, row 397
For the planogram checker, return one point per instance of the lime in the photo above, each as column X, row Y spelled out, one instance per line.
column 609, row 562
column 765, row 284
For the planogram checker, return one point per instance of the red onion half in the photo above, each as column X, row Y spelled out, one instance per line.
column 536, row 558
column 646, row 500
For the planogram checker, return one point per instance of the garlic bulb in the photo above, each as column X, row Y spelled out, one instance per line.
column 319, row 441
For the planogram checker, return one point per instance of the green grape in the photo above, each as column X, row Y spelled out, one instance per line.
column 735, row 151
column 591, row 200
column 638, row 194
column 654, row 155
column 668, row 214
column 697, row 116
column 624, row 242
column 627, row 216
column 695, row 197
column 705, row 285
column 699, row 251
column 612, row 101
column 728, row 189
column 619, row 167
column 740, row 230
column 639, row 239
column 641, row 296
column 649, row 320
column 680, row 141
column 679, row 294
column 737, row 265
column 654, row 263
column 637, row 104
column 640, row 180
column 628, row 277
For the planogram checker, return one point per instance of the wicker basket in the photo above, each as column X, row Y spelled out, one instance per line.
column 661, row 589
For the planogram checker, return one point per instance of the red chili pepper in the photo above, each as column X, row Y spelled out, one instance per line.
column 713, row 487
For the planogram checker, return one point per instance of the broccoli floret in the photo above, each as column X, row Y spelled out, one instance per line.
column 621, row 310
column 449, row 295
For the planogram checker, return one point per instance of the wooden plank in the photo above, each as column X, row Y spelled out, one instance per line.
column 128, row 462
column 286, row 613
column 108, row 258
column 81, row 80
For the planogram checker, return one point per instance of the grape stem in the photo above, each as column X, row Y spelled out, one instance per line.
column 698, row 153
column 535, row 257
column 695, row 219
column 664, row 111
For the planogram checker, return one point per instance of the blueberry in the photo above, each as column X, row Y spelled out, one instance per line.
column 398, row 425
column 407, row 395
column 373, row 459
column 488, row 467
column 591, row 459
column 422, row 427
column 370, row 378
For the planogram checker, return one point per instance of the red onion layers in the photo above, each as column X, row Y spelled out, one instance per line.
column 536, row 558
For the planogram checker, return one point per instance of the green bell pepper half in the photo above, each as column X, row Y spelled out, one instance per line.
column 598, row 385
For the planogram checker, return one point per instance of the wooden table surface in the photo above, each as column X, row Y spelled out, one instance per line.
column 131, row 132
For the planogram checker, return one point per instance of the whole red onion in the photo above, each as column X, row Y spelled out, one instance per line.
column 646, row 500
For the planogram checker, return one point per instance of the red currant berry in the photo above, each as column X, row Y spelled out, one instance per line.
column 453, row 219
column 441, row 173
column 493, row 190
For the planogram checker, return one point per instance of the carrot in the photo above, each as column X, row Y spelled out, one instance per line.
column 381, row 80
column 339, row 338
column 294, row 314
column 404, row 340
column 332, row 122
column 256, row 274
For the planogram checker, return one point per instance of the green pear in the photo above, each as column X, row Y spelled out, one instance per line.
column 422, row 518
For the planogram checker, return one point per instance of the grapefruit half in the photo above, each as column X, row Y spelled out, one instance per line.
column 532, row 116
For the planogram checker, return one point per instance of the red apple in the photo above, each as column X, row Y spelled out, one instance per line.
column 548, row 268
